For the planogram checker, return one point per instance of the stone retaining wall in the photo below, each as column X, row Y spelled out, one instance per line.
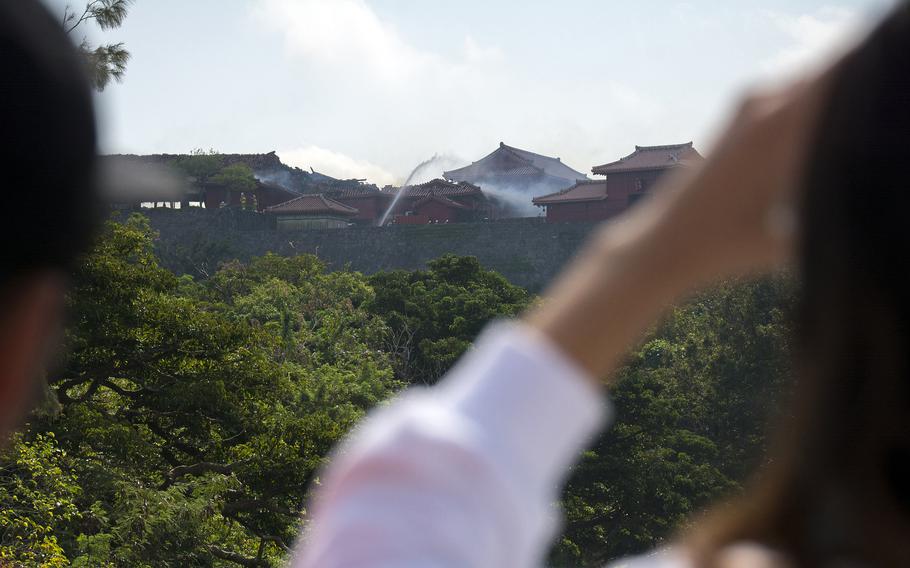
column 526, row 251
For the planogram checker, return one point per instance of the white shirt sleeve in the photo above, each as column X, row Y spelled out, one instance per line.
column 464, row 474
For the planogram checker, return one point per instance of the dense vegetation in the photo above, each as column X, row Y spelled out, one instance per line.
column 691, row 409
column 188, row 420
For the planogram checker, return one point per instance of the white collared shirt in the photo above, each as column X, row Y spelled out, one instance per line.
column 466, row 473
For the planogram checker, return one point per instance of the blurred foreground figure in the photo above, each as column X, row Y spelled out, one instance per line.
column 53, row 186
column 47, row 160
column 464, row 474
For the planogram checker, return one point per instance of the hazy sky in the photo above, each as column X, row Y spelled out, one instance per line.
column 369, row 88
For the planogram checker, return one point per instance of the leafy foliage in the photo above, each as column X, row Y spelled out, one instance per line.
column 37, row 495
column 192, row 417
column 434, row 315
column 692, row 406
column 201, row 413
column 236, row 178
column 104, row 62
column 200, row 164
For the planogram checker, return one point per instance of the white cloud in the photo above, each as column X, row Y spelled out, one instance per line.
column 376, row 85
column 474, row 52
column 812, row 37
column 336, row 164
column 349, row 34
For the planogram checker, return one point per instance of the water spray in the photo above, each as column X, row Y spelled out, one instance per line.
column 443, row 160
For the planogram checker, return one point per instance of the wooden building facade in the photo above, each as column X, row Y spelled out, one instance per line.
column 370, row 202
column 312, row 211
column 265, row 195
column 626, row 181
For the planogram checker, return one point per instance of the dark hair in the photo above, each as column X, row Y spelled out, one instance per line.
column 49, row 205
column 837, row 485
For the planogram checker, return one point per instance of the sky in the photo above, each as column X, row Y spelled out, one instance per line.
column 371, row 88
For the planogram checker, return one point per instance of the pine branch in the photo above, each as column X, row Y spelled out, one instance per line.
column 108, row 14
column 111, row 13
column 105, row 62
column 86, row 15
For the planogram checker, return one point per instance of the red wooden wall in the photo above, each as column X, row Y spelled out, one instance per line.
column 622, row 190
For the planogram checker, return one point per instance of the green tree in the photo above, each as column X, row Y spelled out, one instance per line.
column 104, row 62
column 37, row 495
column 236, row 178
column 692, row 405
column 434, row 315
column 192, row 417
column 200, row 414
column 200, row 164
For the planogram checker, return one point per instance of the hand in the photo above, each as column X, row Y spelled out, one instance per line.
column 733, row 214
column 737, row 212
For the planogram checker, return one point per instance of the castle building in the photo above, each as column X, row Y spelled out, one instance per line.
column 439, row 201
column 265, row 195
column 311, row 211
column 584, row 201
column 369, row 200
column 512, row 170
column 626, row 181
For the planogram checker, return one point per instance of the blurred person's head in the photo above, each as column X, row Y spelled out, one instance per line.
column 47, row 171
column 836, row 487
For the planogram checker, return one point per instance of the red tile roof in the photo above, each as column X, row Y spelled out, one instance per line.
column 439, row 187
column 581, row 191
column 550, row 166
column 313, row 204
column 352, row 192
column 519, row 171
column 444, row 200
column 526, row 164
column 651, row 158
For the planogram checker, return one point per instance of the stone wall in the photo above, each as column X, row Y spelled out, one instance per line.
column 526, row 251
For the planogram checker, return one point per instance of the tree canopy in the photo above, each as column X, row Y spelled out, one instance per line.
column 200, row 164
column 692, row 404
column 435, row 314
column 235, row 178
column 189, row 420
column 194, row 417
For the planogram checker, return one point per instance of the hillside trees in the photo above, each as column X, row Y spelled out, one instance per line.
column 692, row 404
column 196, row 417
column 435, row 314
column 190, row 418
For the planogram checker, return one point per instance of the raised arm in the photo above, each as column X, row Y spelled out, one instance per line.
column 733, row 215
